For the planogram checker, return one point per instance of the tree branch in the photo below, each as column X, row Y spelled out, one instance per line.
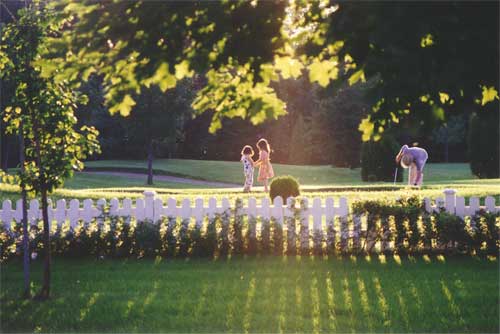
column 8, row 11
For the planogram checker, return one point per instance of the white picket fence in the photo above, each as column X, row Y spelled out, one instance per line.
column 154, row 209
column 456, row 204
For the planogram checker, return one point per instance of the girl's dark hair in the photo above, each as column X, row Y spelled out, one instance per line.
column 247, row 149
column 262, row 144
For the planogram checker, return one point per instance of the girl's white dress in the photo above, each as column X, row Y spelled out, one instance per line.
column 247, row 171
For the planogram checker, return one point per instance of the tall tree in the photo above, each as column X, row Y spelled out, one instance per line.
column 452, row 132
column 8, row 13
column 41, row 111
column 421, row 52
column 5, row 94
column 157, row 120
column 344, row 107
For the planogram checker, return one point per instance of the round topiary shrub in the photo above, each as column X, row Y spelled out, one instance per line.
column 284, row 186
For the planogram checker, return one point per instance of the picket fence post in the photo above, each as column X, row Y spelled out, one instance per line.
column 344, row 232
column 18, row 213
column 149, row 209
column 304, row 225
column 60, row 214
column 330, row 222
column 278, row 210
column 7, row 213
column 33, row 212
column 198, row 212
column 114, row 206
column 449, row 200
column 291, row 227
column 460, row 206
column 74, row 213
column 489, row 203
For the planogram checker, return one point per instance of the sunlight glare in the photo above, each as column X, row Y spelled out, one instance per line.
column 331, row 303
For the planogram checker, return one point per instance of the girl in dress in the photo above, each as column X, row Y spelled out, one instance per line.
column 265, row 168
column 246, row 158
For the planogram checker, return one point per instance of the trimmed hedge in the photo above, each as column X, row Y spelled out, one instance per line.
column 284, row 186
column 401, row 227
column 413, row 230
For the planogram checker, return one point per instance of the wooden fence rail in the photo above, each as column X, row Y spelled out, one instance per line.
column 154, row 209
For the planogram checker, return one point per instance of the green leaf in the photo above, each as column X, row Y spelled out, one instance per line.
column 182, row 70
column 489, row 95
column 438, row 112
column 356, row 76
column 124, row 107
column 443, row 97
column 426, row 41
column 289, row 67
column 162, row 77
column 322, row 72
column 366, row 127
column 424, row 98
column 394, row 118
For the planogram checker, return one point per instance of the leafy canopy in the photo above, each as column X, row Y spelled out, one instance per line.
column 41, row 110
column 143, row 43
column 429, row 58
column 240, row 46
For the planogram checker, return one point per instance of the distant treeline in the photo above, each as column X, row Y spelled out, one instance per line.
column 321, row 127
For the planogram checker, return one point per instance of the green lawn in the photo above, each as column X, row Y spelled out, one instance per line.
column 480, row 188
column 259, row 295
column 321, row 181
column 231, row 171
column 83, row 181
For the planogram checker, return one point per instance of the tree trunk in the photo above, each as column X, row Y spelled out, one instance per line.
column 5, row 153
column 26, row 242
column 2, row 136
column 446, row 152
column 1, row 143
column 150, row 162
column 45, row 291
column 26, row 245
column 446, row 144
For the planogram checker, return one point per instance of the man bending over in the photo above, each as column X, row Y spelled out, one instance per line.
column 415, row 159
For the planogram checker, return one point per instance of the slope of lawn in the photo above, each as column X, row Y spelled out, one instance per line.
column 231, row 171
column 479, row 188
column 337, row 182
column 258, row 295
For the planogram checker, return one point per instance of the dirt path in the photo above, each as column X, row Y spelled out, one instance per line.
column 168, row 178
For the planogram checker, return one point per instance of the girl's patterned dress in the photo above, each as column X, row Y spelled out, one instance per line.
column 248, row 172
column 265, row 169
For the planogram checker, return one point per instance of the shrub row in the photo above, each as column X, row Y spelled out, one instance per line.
column 412, row 229
column 401, row 227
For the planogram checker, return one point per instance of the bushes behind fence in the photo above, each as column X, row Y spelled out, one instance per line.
column 402, row 227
